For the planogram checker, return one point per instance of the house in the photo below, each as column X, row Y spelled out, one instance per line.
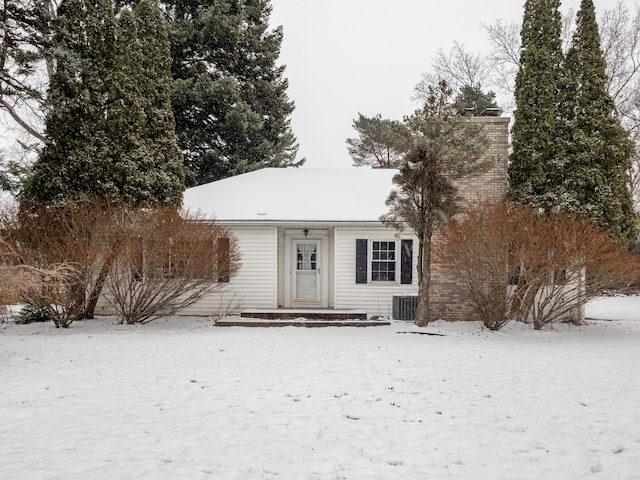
column 312, row 238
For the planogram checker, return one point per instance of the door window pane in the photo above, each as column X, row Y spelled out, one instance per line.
column 307, row 256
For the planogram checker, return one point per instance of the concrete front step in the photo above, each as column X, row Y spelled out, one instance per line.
column 300, row 322
column 301, row 318
column 295, row 314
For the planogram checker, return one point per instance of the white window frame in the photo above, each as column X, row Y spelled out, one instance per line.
column 396, row 260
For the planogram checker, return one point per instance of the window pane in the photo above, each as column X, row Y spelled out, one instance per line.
column 306, row 256
column 383, row 261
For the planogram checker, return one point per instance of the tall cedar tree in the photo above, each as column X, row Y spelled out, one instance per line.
column 535, row 171
column 445, row 147
column 598, row 151
column 109, row 126
column 229, row 96
column 147, row 162
column 76, row 157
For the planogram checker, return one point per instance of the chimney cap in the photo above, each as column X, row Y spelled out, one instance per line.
column 491, row 112
column 467, row 111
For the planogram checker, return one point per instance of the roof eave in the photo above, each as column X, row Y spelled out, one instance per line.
column 296, row 223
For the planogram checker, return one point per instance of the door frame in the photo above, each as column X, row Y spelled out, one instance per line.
column 291, row 237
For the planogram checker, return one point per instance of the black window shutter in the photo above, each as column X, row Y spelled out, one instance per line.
column 224, row 258
column 406, row 262
column 361, row 260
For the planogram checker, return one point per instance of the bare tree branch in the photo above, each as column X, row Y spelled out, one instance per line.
column 458, row 67
column 26, row 63
column 20, row 120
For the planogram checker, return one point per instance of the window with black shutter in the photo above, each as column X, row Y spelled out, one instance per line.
column 384, row 261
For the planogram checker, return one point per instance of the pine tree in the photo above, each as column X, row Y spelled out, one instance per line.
column 598, row 150
column 472, row 97
column 445, row 148
column 147, row 163
column 381, row 143
column 75, row 160
column 535, row 170
column 229, row 96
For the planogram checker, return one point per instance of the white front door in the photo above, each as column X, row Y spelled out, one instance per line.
column 306, row 266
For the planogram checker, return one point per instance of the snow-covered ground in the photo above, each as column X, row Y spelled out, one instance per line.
column 181, row 399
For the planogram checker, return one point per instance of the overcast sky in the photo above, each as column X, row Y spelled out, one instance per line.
column 350, row 56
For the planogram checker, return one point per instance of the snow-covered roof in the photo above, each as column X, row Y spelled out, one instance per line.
column 295, row 194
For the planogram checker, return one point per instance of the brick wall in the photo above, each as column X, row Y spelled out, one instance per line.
column 448, row 298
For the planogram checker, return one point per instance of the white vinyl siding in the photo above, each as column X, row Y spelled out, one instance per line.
column 374, row 297
column 255, row 284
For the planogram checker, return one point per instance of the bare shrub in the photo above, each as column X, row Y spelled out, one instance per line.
column 519, row 263
column 166, row 262
column 225, row 308
column 12, row 279
column 564, row 261
column 56, row 255
column 475, row 249
column 154, row 261
column 49, row 291
column 54, row 292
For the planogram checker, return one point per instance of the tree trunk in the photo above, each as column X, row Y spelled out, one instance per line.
column 50, row 8
column 521, row 301
column 577, row 313
column 77, row 304
column 90, row 309
column 424, row 281
column 422, row 314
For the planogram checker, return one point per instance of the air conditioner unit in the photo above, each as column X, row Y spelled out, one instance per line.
column 405, row 307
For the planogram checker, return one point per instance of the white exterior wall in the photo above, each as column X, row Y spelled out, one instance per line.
column 255, row 285
column 375, row 298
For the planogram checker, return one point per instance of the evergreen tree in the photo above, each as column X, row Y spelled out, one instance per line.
column 147, row 163
column 381, row 143
column 535, row 170
column 229, row 96
column 472, row 97
column 445, row 148
column 110, row 131
column 597, row 149
column 75, row 160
